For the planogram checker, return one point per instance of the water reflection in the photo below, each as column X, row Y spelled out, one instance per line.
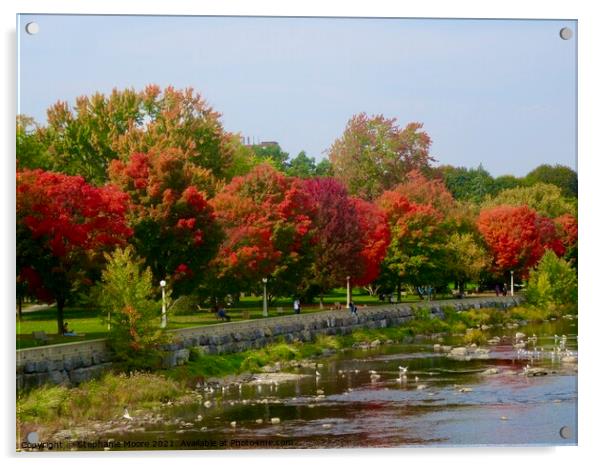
column 362, row 398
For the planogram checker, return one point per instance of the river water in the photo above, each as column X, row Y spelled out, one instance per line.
column 487, row 400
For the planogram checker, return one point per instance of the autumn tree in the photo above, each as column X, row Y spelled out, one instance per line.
column 376, row 237
column 64, row 226
column 422, row 215
column 174, row 225
column 339, row 239
column 265, row 216
column 517, row 237
column 568, row 232
column 374, row 154
column 84, row 138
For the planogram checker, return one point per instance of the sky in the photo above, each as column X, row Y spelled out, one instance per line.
column 501, row 93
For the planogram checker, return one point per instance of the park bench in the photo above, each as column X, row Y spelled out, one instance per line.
column 40, row 337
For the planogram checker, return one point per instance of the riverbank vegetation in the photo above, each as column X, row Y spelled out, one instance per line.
column 56, row 407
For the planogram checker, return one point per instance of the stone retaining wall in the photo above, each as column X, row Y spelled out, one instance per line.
column 73, row 363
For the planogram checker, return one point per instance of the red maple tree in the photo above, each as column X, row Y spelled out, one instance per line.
column 174, row 224
column 339, row 239
column 376, row 236
column 268, row 232
column 517, row 237
column 63, row 227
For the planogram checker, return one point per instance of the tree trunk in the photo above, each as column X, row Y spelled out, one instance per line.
column 60, row 306
column 398, row 292
column 20, row 308
column 461, row 288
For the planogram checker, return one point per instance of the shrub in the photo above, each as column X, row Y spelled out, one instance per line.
column 125, row 293
column 184, row 305
column 552, row 282
column 475, row 336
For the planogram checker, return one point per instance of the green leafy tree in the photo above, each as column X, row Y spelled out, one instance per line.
column 271, row 153
column 301, row 166
column 374, row 154
column 83, row 139
column 468, row 184
column 504, row 182
column 31, row 152
column 126, row 293
column 465, row 258
column 559, row 175
column 324, row 168
column 553, row 281
column 545, row 199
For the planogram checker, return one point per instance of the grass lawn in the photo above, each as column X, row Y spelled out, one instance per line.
column 89, row 321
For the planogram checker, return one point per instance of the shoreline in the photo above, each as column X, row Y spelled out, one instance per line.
column 184, row 385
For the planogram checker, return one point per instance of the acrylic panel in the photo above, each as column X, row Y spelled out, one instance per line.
column 295, row 232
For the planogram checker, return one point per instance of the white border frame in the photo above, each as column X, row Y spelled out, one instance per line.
column 590, row 170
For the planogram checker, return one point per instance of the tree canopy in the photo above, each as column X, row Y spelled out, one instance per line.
column 374, row 154
column 63, row 227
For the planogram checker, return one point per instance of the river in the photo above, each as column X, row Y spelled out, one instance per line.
column 482, row 400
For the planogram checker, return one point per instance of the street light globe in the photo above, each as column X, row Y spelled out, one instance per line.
column 264, row 280
column 162, row 283
column 348, row 277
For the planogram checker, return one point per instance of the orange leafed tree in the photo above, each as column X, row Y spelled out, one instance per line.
column 517, row 237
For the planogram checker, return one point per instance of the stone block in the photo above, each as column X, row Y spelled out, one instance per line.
column 182, row 356
column 169, row 359
column 30, row 367
column 41, row 366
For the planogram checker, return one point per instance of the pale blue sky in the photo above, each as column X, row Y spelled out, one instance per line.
column 497, row 92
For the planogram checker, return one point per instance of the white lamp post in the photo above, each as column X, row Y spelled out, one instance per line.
column 163, row 312
column 265, row 297
column 512, row 283
column 348, row 292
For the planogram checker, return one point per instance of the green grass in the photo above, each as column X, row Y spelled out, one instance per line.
column 88, row 321
column 56, row 407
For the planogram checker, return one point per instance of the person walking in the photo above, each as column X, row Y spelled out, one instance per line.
column 297, row 306
column 352, row 308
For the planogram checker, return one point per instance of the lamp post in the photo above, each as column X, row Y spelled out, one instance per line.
column 512, row 283
column 348, row 292
column 265, row 297
column 163, row 311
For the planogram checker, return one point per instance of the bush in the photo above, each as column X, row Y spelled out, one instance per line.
column 184, row 305
column 125, row 293
column 552, row 282
column 475, row 336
